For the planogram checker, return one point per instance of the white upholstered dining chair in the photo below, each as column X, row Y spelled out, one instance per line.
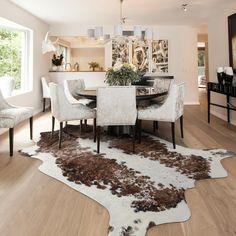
column 72, row 87
column 160, row 83
column 11, row 115
column 116, row 106
column 45, row 80
column 63, row 110
column 169, row 111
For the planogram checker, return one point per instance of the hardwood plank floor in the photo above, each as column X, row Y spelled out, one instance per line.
column 33, row 204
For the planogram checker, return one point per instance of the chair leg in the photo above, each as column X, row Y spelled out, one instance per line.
column 134, row 136
column 173, row 133
column 85, row 125
column 81, row 124
column 94, row 130
column 53, row 125
column 31, row 127
column 139, row 130
column 60, row 134
column 155, row 126
column 181, row 126
column 11, row 140
column 98, row 139
column 44, row 104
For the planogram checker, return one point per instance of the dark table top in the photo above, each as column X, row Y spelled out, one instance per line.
column 142, row 93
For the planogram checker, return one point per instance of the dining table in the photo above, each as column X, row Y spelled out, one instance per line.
column 142, row 93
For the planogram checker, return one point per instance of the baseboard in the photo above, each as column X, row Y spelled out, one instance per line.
column 223, row 117
column 192, row 103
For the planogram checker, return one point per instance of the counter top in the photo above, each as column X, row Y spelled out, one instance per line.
column 78, row 71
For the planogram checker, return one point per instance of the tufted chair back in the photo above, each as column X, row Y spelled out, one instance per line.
column 174, row 104
column 162, row 83
column 45, row 86
column 7, row 84
column 170, row 110
column 72, row 87
column 3, row 103
column 116, row 105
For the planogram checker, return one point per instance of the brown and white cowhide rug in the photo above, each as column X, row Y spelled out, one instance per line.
column 139, row 190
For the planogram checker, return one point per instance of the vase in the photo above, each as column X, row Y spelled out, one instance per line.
column 54, row 68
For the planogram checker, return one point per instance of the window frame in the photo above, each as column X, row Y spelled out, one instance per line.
column 26, row 55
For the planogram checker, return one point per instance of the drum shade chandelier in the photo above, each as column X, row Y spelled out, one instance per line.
column 97, row 32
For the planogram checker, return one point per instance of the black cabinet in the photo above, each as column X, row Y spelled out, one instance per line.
column 227, row 90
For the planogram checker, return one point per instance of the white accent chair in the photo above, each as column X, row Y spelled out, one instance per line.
column 10, row 116
column 63, row 110
column 46, row 91
column 72, row 87
column 7, row 84
column 116, row 106
column 169, row 111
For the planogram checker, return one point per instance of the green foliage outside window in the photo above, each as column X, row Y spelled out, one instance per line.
column 201, row 57
column 10, row 54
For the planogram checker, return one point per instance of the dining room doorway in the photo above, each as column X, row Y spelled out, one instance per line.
column 202, row 81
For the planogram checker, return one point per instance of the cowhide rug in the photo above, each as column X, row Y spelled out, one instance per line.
column 139, row 190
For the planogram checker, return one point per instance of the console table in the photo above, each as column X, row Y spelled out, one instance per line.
column 227, row 90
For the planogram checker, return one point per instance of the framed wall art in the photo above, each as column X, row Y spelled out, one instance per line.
column 120, row 51
column 160, row 56
column 140, row 55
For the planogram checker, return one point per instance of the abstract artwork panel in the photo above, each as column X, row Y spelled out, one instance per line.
column 140, row 55
column 160, row 56
column 120, row 51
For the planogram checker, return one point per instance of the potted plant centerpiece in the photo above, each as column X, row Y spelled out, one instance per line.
column 122, row 74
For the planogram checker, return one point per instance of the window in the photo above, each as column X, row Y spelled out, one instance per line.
column 14, row 54
column 201, row 65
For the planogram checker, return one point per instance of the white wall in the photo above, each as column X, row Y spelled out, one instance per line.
column 219, row 55
column 40, row 62
column 85, row 55
column 182, row 51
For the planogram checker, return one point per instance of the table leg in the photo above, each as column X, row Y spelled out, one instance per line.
column 228, row 110
column 209, row 103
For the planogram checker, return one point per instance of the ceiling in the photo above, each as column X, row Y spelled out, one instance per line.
column 107, row 12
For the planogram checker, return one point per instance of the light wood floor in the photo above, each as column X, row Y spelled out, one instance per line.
column 33, row 204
